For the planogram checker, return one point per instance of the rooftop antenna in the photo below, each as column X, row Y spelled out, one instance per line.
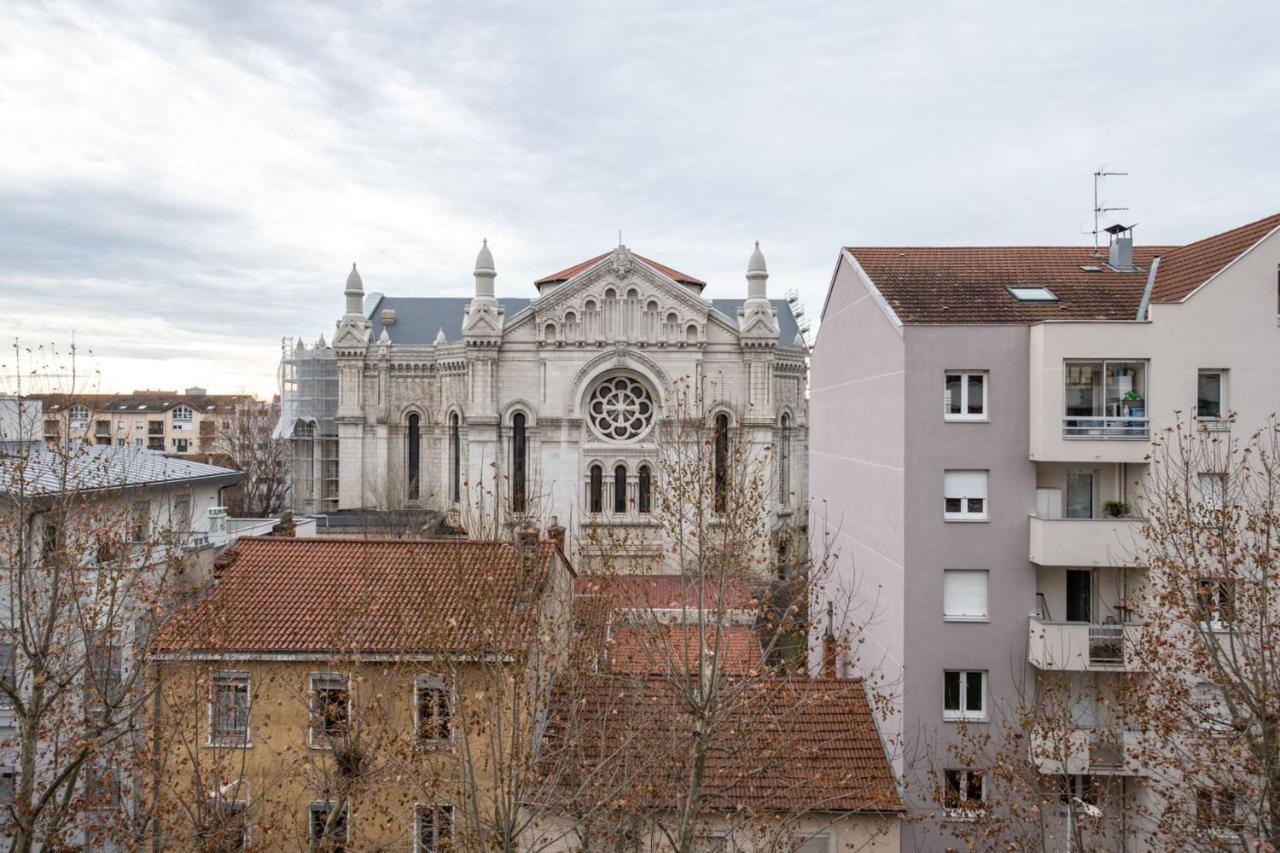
column 1098, row 210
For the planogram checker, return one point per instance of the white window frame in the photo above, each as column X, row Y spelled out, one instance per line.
column 965, row 514
column 964, row 713
column 985, row 616
column 1216, row 795
column 821, row 836
column 960, row 813
column 428, row 681
column 223, row 678
column 181, row 417
column 317, row 738
column 246, row 836
column 964, row 414
column 316, row 805
column 1221, row 422
column 421, row 808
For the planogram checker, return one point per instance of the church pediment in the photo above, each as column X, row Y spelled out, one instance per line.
column 351, row 336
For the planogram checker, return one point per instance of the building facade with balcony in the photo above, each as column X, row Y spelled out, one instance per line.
column 981, row 424
column 169, row 421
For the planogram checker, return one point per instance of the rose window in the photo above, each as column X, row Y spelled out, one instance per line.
column 620, row 409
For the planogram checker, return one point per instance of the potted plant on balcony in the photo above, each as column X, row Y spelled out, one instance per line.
column 1115, row 509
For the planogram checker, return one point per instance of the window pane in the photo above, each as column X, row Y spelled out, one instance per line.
column 974, row 790
column 1084, row 389
column 973, row 692
column 953, row 393
column 953, row 504
column 951, row 790
column 977, row 385
column 1209, row 398
column 975, row 505
column 951, row 701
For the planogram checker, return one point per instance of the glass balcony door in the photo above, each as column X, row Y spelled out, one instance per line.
column 1080, row 494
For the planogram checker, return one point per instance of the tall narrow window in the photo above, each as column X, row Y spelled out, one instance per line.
column 455, row 459
column 721, row 472
column 519, row 462
column 414, row 449
column 784, row 461
column 644, row 490
column 620, row 489
column 595, row 490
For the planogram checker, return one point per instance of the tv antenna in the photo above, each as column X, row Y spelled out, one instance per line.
column 1098, row 209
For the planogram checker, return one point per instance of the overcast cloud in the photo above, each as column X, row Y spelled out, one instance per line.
column 181, row 184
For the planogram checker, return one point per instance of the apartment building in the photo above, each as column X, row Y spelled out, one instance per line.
column 173, row 422
column 981, row 423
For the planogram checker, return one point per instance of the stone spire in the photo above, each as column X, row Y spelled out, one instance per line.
column 485, row 272
column 355, row 294
column 757, row 276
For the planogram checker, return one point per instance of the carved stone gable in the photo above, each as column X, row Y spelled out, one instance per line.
column 621, row 262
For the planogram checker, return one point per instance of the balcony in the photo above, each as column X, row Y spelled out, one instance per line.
column 1083, row 646
column 1097, row 751
column 1084, row 541
column 1106, row 428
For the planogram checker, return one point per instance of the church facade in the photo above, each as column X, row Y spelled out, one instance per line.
column 557, row 398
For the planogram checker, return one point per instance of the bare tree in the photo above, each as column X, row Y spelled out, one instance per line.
column 248, row 443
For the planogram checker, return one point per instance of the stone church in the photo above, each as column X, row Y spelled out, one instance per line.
column 561, row 394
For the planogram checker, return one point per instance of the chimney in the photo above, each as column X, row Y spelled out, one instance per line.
column 1121, row 256
column 528, row 535
column 829, row 669
column 556, row 533
column 285, row 527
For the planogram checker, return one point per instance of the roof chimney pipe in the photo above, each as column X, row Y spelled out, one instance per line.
column 1121, row 255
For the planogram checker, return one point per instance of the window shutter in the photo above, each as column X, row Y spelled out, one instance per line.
column 965, row 484
column 964, row 594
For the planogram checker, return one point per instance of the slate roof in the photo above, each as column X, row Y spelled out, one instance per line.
column 959, row 285
column 783, row 745
column 1187, row 267
column 657, row 648
column 389, row 596
column 142, row 401
column 419, row 318
column 569, row 272
column 75, row 467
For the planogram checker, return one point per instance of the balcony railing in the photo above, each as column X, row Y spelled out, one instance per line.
column 1082, row 646
column 1108, row 428
column 1101, row 750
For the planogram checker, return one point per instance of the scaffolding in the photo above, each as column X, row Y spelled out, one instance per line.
column 308, row 409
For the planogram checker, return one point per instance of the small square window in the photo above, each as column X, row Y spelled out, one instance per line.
column 964, row 696
column 964, row 793
column 228, row 827
column 433, row 830
column 331, row 835
column 964, row 595
column 965, row 396
column 965, row 495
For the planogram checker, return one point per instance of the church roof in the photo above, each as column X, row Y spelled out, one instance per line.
column 570, row 272
column 419, row 318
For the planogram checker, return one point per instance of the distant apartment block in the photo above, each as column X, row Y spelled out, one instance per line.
column 169, row 421
column 981, row 423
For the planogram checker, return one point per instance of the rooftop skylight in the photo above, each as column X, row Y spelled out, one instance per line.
column 1033, row 294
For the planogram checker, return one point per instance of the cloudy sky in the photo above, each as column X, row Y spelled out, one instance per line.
column 182, row 184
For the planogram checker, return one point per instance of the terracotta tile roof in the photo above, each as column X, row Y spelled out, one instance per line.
column 781, row 745
column 660, row 648
column 664, row 591
column 1187, row 267
column 570, row 272
column 358, row 595
column 926, row 285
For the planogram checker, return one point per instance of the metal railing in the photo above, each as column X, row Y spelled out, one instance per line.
column 1094, row 427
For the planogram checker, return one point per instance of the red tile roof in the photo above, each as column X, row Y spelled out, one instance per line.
column 360, row 595
column 570, row 272
column 656, row 592
column 1187, row 267
column 659, row 648
column 927, row 285
column 779, row 745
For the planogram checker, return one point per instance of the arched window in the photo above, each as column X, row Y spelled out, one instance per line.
column 595, row 491
column 519, row 462
column 570, row 326
column 721, row 453
column 644, row 490
column 79, row 416
column 784, row 461
column 691, row 334
column 620, row 489
column 549, row 334
column 182, row 415
column 455, row 459
column 414, row 449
